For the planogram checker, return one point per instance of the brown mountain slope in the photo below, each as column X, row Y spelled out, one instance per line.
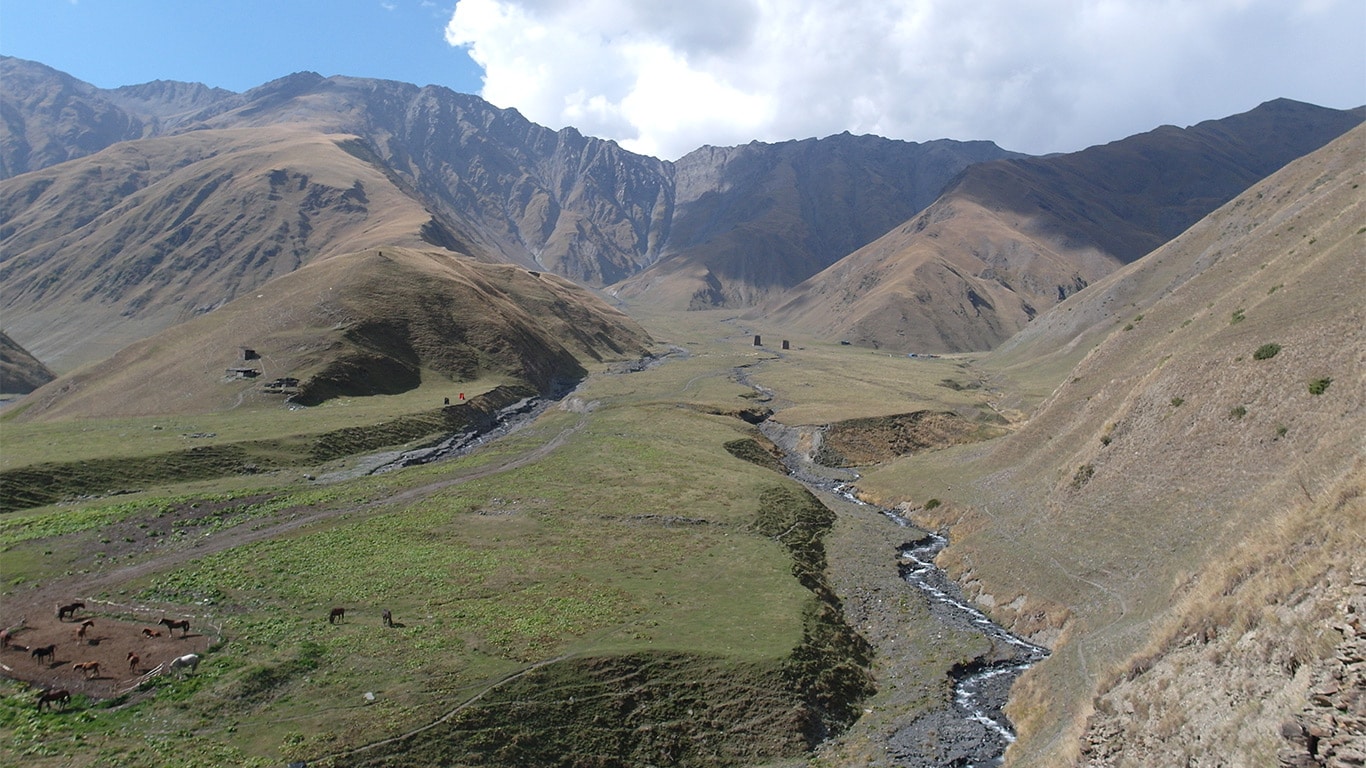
column 372, row 322
column 1183, row 515
column 108, row 249
column 20, row 372
column 753, row 220
column 1010, row 238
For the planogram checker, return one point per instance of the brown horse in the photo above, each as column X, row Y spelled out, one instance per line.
column 149, row 632
column 69, row 609
column 5, row 637
column 387, row 618
column 83, row 628
column 59, row 696
column 91, row 668
column 173, row 624
column 337, row 614
column 133, row 661
column 48, row 652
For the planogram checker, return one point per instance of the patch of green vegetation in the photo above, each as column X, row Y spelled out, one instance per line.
column 1281, row 429
column 1237, row 317
column 1083, row 475
column 1237, row 412
column 1178, row 401
column 1266, row 351
column 749, row 449
column 1319, row 386
column 41, row 484
column 932, row 504
column 1274, row 288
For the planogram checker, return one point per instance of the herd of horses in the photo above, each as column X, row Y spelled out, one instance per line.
column 61, row 697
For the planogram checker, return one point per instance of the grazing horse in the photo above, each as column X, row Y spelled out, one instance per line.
column 173, row 624
column 189, row 661
column 337, row 614
column 133, row 661
column 60, row 696
column 48, row 652
column 69, row 609
column 388, row 618
column 91, row 668
column 81, row 630
column 149, row 632
column 5, row 637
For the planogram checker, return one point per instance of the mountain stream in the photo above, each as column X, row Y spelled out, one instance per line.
column 972, row 730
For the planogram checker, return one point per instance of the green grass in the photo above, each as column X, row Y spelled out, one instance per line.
column 27, row 443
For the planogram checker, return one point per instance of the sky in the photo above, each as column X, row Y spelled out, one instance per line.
column 663, row 77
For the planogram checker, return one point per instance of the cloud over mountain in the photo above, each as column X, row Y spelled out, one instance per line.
column 1059, row 75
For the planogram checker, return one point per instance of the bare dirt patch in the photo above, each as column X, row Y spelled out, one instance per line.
column 108, row 642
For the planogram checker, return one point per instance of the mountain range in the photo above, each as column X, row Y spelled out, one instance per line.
column 127, row 211
column 1170, row 322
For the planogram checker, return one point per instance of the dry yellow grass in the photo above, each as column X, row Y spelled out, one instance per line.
column 1168, row 445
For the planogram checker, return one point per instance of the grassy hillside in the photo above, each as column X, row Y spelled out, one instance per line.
column 20, row 372
column 367, row 323
column 1010, row 238
column 1197, row 475
column 111, row 248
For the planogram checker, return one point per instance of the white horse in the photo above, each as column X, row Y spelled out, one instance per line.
column 189, row 661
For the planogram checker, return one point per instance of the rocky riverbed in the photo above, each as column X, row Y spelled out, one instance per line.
column 968, row 728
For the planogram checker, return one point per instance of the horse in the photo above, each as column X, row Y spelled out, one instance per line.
column 149, row 632
column 80, row 631
column 189, row 661
column 69, row 609
column 91, row 668
column 173, row 624
column 388, row 618
column 5, row 637
column 46, row 652
column 60, row 696
column 133, row 661
column 337, row 614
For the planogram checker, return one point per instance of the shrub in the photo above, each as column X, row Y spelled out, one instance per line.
column 1084, row 474
column 1266, row 351
column 1319, row 386
column 1281, row 430
column 932, row 503
column 1237, row 317
column 1177, row 401
column 1237, row 412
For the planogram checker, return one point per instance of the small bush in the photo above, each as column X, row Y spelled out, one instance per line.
column 1177, row 401
column 1237, row 412
column 1319, row 386
column 1237, row 317
column 1129, row 326
column 1281, row 430
column 1266, row 351
column 932, row 503
column 1083, row 475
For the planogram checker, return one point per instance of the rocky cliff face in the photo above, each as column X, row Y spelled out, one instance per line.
column 756, row 217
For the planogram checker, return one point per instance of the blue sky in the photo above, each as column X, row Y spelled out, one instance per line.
column 239, row 44
column 663, row 77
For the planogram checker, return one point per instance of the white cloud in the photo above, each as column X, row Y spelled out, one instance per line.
column 663, row 78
